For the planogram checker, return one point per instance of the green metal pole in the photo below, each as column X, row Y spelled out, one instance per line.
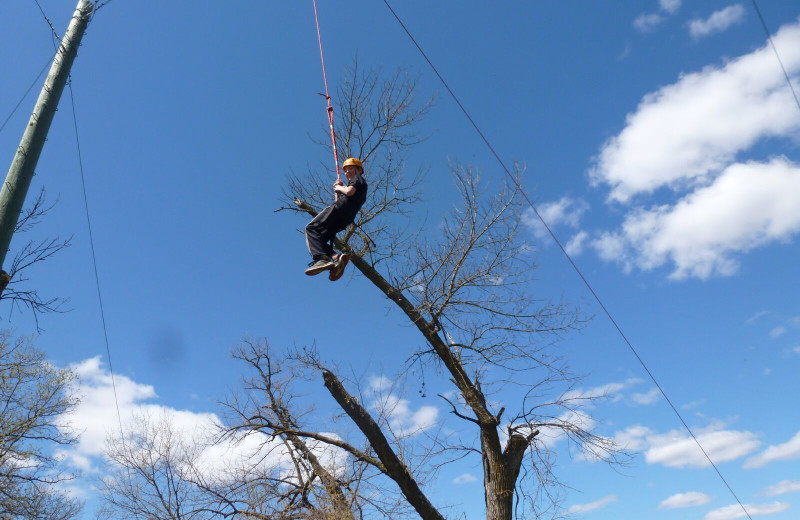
column 18, row 180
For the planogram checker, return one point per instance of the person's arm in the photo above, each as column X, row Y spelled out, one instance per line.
column 347, row 191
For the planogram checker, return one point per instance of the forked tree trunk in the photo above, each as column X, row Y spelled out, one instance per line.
column 500, row 473
column 501, row 467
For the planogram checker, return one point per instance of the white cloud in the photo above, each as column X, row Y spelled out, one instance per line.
column 610, row 391
column 647, row 22
column 735, row 511
column 611, row 247
column 566, row 211
column 677, row 449
column 95, row 419
column 752, row 319
column 649, row 398
column 796, row 349
column 777, row 331
column 690, row 499
column 96, row 415
column 73, row 491
column 781, row 488
column 575, row 245
column 406, row 422
column 465, row 478
column 684, row 132
column 549, row 436
column 401, row 418
column 670, row 6
column 717, row 22
column 380, row 383
column 747, row 206
column 592, row 506
column 633, row 437
column 786, row 451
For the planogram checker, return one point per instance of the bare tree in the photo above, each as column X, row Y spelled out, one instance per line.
column 34, row 396
column 377, row 115
column 334, row 477
column 13, row 285
column 468, row 290
column 161, row 470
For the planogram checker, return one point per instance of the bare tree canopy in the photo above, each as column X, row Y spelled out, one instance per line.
column 34, row 396
column 468, row 287
column 13, row 285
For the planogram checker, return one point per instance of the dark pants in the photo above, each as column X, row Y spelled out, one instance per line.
column 321, row 231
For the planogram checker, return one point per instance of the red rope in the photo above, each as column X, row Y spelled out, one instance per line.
column 329, row 109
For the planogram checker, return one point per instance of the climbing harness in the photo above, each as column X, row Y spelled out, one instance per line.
column 327, row 97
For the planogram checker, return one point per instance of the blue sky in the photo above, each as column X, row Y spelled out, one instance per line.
column 661, row 143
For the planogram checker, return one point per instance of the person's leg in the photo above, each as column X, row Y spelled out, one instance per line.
column 318, row 234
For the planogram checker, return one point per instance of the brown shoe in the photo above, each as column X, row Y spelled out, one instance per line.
column 338, row 269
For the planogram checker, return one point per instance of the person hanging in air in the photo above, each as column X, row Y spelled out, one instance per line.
column 322, row 229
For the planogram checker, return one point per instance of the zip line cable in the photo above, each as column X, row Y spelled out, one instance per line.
column 569, row 258
column 46, row 19
column 101, row 5
column 775, row 50
column 94, row 258
column 33, row 84
column 57, row 44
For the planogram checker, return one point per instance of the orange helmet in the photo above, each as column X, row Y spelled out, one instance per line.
column 352, row 161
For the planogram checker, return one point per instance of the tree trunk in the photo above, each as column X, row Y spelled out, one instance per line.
column 500, row 472
column 395, row 468
column 501, row 467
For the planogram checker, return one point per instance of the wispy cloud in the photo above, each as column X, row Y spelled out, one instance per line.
column 465, row 478
column 565, row 211
column 592, row 506
column 648, row 22
column 402, row 419
column 718, row 21
column 549, row 436
column 575, row 245
column 781, row 488
column 670, row 6
column 676, row 449
column 611, row 391
column 690, row 499
column 752, row 319
column 692, row 404
column 735, row 511
column 648, row 398
column 778, row 331
column 786, row 451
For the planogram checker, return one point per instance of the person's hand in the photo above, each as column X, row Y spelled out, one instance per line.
column 338, row 182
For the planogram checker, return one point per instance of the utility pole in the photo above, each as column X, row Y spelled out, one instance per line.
column 18, row 179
